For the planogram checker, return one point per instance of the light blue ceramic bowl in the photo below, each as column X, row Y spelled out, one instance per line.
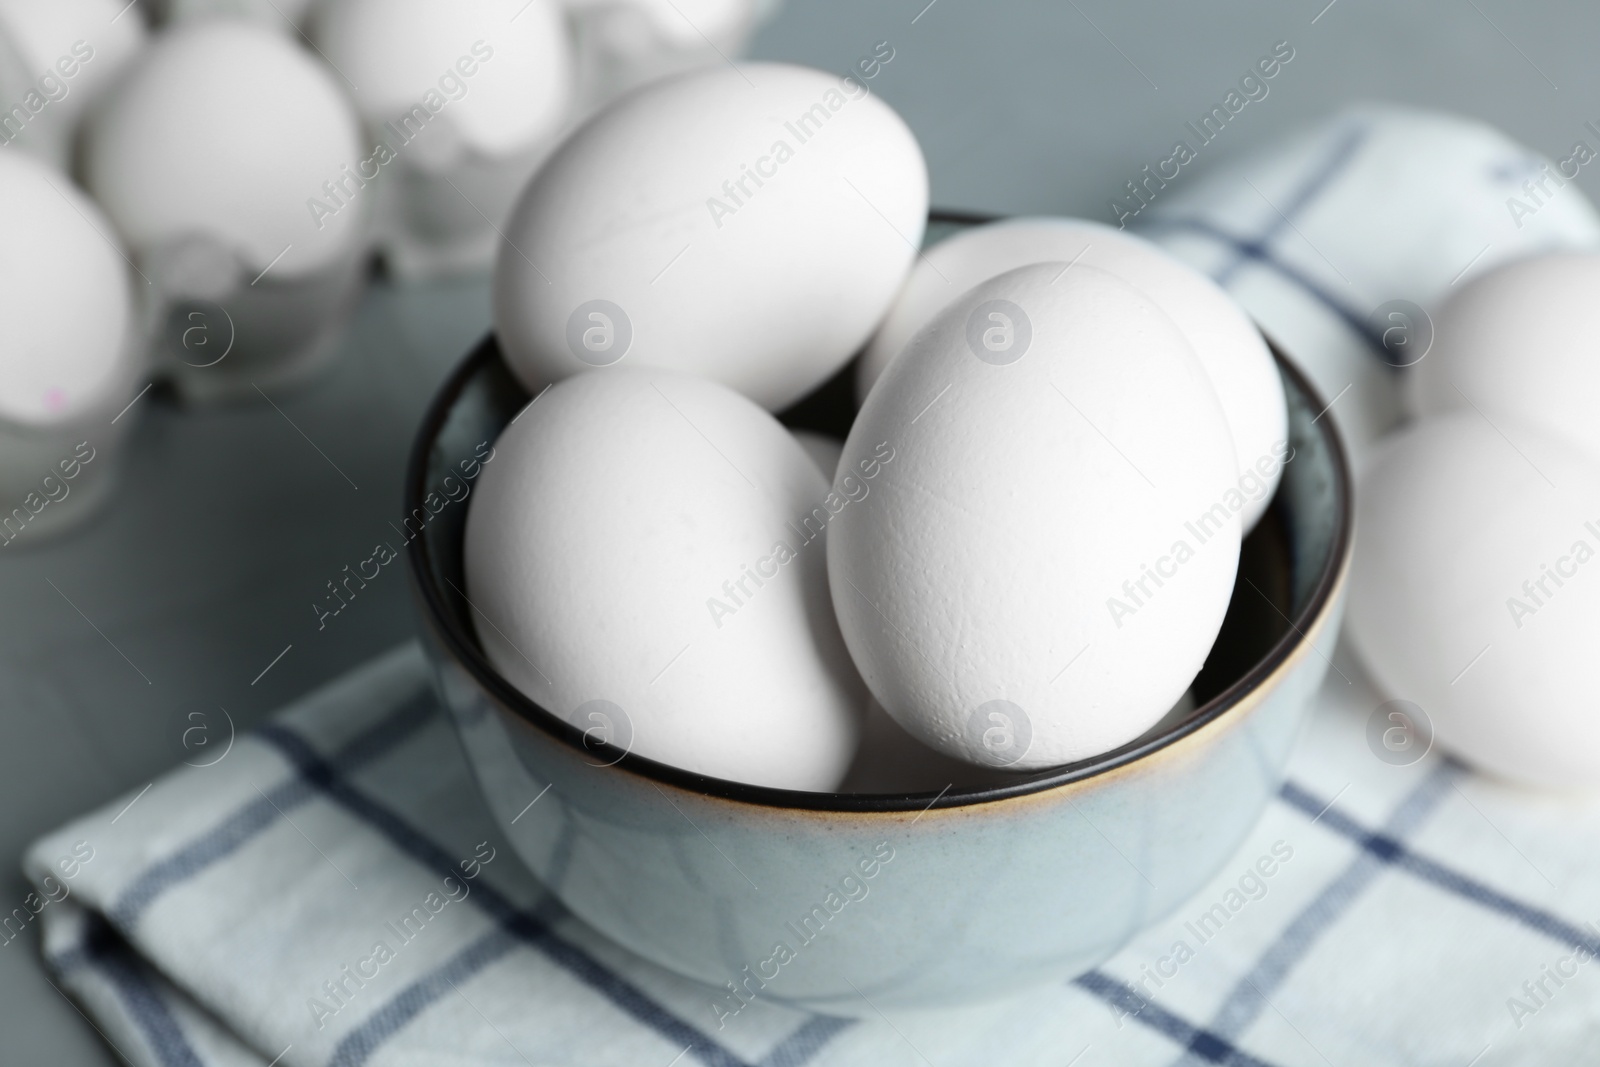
column 832, row 901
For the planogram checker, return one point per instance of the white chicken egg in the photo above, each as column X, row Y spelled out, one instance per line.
column 1040, row 557
column 1340, row 239
column 461, row 102
column 1520, row 341
column 69, row 359
column 1475, row 592
column 1227, row 343
column 749, row 224
column 227, row 132
column 225, row 160
column 641, row 539
column 69, row 306
column 55, row 57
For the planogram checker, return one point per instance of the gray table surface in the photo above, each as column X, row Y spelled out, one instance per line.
column 227, row 523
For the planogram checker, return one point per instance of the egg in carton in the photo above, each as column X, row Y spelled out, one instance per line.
column 460, row 103
column 1341, row 240
column 55, row 58
column 225, row 162
column 71, row 363
column 622, row 44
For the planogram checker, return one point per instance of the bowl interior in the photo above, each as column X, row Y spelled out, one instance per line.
column 1288, row 570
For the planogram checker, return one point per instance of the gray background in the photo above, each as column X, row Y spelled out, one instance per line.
column 228, row 523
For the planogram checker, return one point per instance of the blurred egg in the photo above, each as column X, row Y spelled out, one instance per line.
column 1035, row 556
column 69, row 306
column 1340, row 239
column 225, row 132
column 1475, row 592
column 823, row 450
column 625, row 43
column 1521, row 341
column 55, row 57
column 69, row 359
column 461, row 102
column 638, row 539
column 225, row 160
column 1227, row 343
column 749, row 224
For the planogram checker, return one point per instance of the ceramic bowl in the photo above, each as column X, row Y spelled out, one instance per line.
column 834, row 901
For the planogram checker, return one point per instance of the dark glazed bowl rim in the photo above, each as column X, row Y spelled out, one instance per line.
column 463, row 647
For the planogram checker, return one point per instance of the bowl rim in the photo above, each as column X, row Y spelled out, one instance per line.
column 464, row 649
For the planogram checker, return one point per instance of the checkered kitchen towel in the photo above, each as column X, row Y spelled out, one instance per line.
column 1380, row 914
column 1379, row 211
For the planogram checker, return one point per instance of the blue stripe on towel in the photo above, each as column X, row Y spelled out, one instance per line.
column 1248, row 997
column 524, row 926
column 359, row 1044
column 222, row 841
column 806, row 1041
column 234, row 832
column 1206, row 1045
column 1322, row 175
column 104, row 951
column 1391, row 851
column 1256, row 252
